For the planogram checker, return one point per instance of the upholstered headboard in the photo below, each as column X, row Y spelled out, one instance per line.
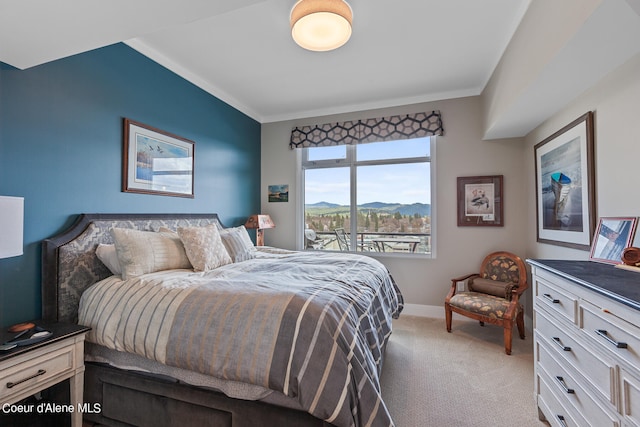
column 70, row 264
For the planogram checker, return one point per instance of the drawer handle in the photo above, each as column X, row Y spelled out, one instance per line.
column 603, row 333
column 552, row 299
column 564, row 385
column 37, row 374
column 563, row 347
column 562, row 421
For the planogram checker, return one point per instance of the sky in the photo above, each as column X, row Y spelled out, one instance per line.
column 406, row 183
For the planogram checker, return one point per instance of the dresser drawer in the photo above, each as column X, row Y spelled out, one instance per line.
column 611, row 333
column 599, row 371
column 556, row 299
column 554, row 407
column 33, row 373
column 565, row 385
column 630, row 386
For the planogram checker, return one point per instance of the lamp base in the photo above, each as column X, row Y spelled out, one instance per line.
column 259, row 237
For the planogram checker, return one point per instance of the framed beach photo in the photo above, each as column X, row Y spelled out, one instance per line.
column 613, row 235
column 480, row 201
column 156, row 162
column 565, row 185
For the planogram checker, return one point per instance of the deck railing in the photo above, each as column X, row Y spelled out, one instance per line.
column 374, row 242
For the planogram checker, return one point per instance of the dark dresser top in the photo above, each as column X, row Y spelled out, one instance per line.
column 615, row 283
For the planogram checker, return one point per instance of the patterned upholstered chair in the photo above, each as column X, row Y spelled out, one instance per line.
column 492, row 295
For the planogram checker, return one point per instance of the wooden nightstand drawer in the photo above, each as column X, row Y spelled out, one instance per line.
column 36, row 372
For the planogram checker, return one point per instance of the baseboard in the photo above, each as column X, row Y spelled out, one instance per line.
column 437, row 312
column 423, row 310
column 433, row 311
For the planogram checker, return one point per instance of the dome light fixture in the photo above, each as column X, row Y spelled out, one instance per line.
column 321, row 25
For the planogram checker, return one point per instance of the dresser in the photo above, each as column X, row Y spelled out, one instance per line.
column 586, row 322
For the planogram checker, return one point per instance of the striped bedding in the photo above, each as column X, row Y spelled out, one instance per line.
column 312, row 326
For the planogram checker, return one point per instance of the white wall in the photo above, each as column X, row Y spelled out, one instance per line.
column 460, row 152
column 615, row 101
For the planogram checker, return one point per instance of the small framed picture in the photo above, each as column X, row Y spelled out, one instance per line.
column 480, row 201
column 279, row 193
column 613, row 235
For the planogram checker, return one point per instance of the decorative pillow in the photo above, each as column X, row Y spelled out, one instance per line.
column 492, row 287
column 204, row 247
column 140, row 252
column 238, row 243
column 107, row 254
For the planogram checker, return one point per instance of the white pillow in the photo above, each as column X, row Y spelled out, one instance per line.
column 107, row 254
column 238, row 243
column 204, row 247
column 140, row 252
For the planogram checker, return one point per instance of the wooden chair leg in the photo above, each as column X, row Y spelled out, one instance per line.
column 481, row 323
column 520, row 323
column 447, row 315
column 507, row 339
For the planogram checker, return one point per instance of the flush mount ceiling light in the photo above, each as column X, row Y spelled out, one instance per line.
column 321, row 25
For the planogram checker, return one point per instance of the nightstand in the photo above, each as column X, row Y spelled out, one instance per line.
column 27, row 370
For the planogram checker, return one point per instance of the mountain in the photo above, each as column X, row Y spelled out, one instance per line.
column 322, row 205
column 325, row 208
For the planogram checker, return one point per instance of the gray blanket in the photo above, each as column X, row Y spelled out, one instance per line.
column 312, row 326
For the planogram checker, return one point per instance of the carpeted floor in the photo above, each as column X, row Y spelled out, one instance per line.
column 463, row 378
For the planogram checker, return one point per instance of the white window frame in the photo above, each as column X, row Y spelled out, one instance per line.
column 351, row 161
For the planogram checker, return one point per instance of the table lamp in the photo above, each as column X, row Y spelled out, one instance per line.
column 11, row 226
column 259, row 222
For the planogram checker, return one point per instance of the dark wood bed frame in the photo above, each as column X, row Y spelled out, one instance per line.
column 128, row 398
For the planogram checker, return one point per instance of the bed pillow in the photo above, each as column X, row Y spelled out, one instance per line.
column 140, row 252
column 238, row 243
column 107, row 254
column 204, row 247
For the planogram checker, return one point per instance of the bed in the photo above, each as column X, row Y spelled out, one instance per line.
column 267, row 337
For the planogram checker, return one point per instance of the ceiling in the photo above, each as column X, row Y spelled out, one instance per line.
column 401, row 52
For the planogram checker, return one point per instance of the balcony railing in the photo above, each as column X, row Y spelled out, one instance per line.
column 371, row 242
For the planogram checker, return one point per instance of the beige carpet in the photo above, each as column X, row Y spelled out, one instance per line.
column 463, row 378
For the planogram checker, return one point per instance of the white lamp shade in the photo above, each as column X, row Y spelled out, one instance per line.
column 321, row 25
column 11, row 226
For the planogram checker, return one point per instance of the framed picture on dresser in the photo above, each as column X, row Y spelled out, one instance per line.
column 613, row 235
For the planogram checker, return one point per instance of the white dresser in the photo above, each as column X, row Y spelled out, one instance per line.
column 586, row 321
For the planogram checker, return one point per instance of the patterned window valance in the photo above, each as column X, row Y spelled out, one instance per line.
column 389, row 128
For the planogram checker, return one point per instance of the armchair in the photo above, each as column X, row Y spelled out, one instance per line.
column 492, row 295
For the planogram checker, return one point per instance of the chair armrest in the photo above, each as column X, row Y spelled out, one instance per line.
column 454, row 284
column 462, row 278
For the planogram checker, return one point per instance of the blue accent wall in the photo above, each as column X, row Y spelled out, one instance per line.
column 61, row 149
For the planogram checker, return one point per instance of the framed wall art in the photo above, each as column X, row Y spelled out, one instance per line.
column 565, row 185
column 279, row 193
column 480, row 201
column 156, row 162
column 613, row 235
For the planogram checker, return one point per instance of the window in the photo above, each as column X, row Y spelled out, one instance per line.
column 373, row 197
